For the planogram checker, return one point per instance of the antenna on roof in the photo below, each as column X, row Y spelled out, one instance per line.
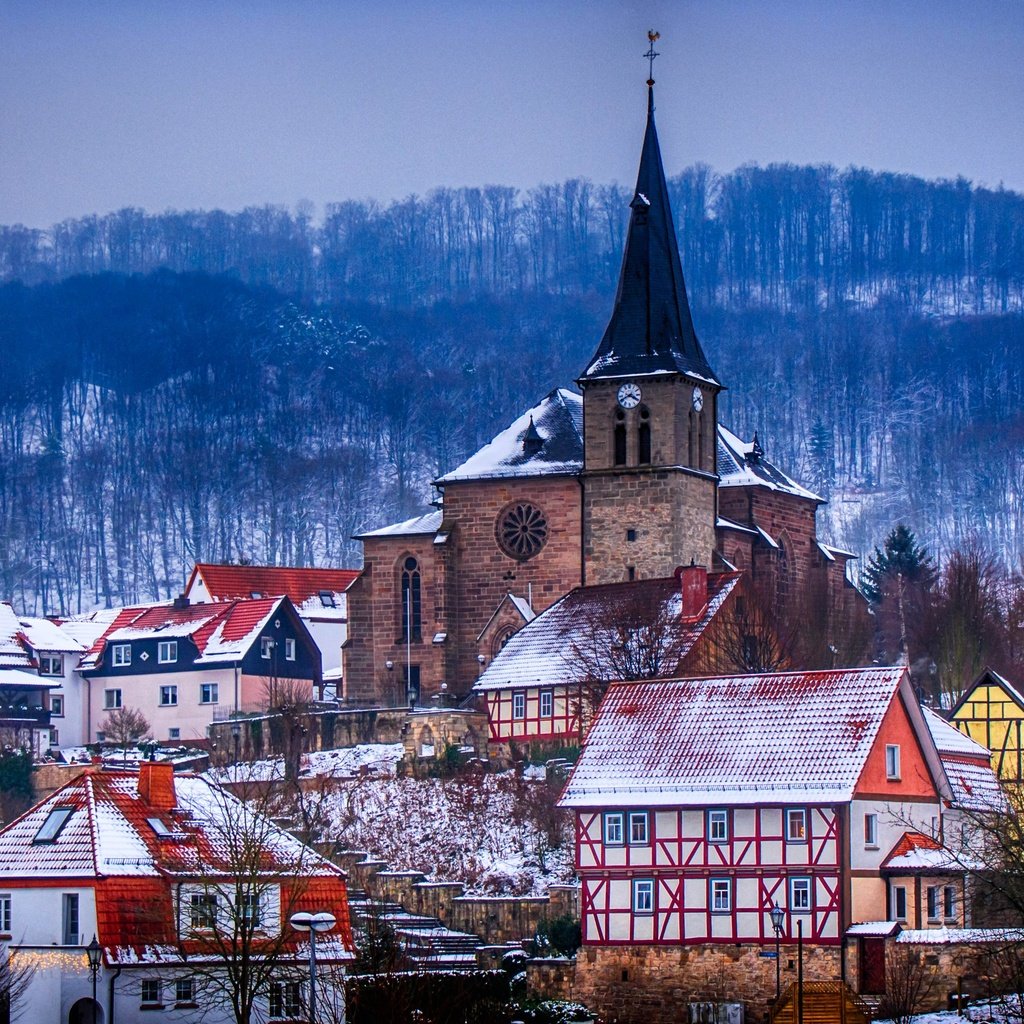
column 650, row 55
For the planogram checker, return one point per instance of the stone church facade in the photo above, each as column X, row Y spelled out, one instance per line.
column 626, row 478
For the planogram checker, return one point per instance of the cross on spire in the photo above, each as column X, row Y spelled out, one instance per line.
column 651, row 54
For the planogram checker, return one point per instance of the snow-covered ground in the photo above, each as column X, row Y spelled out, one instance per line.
column 371, row 758
column 999, row 1011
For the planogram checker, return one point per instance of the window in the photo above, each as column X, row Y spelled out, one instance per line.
column 718, row 826
column 948, row 903
column 56, row 706
column 518, row 705
column 619, row 438
column 174, row 733
column 289, row 649
column 899, row 900
column 167, row 652
column 411, row 611
column 203, row 910
column 630, row 536
column 55, row 821
column 800, row 895
column 643, row 896
column 54, row 737
column 327, row 599
column 638, row 832
column 266, row 647
column 160, row 828
column 613, row 831
column 644, row 438
column 51, row 664
column 933, row 902
column 547, row 703
column 892, row 761
column 122, row 655
column 250, row 907
column 870, row 829
column 111, row 700
column 721, row 895
column 150, row 990
column 285, row 999
column 209, row 693
column 796, row 826
column 5, row 913
column 184, row 990
column 69, row 929
column 168, row 696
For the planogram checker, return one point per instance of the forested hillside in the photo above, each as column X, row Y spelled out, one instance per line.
column 258, row 386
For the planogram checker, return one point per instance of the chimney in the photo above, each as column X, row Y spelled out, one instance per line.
column 693, row 586
column 181, row 601
column 156, row 785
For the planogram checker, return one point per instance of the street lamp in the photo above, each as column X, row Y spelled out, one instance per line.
column 94, row 951
column 314, row 924
column 777, row 915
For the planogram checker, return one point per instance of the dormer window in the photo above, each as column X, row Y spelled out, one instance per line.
column 51, row 664
column 51, row 828
column 167, row 652
column 121, row 655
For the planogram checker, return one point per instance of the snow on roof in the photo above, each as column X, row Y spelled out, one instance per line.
column 429, row 522
column 520, row 604
column 26, row 679
column 300, row 584
column 587, row 621
column 950, row 740
column 879, row 929
column 914, row 851
column 959, row 936
column 22, row 636
column 967, row 765
column 789, row 737
column 557, row 429
column 737, row 469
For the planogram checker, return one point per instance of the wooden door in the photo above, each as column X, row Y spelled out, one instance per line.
column 872, row 965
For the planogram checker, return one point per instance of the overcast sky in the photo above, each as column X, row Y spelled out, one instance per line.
column 189, row 104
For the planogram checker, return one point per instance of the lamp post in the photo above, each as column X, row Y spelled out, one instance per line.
column 94, row 951
column 777, row 915
column 314, row 924
column 800, row 970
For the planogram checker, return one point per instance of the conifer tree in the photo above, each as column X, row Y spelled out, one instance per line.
column 902, row 558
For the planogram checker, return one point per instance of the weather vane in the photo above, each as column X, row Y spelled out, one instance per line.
column 651, row 54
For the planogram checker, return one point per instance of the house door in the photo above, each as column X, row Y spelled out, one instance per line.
column 85, row 1011
column 872, row 966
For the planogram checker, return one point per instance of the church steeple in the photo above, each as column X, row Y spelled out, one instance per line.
column 651, row 329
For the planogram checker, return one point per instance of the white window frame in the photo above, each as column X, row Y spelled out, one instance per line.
column 643, row 896
column 174, row 732
column 71, row 913
column 871, row 831
column 720, row 895
column 121, row 655
column 518, row 705
column 266, row 647
column 185, row 990
column 933, row 902
column 51, row 664
column 167, row 652
column 170, row 692
column 289, row 649
column 949, row 912
column 56, row 705
column 285, row 1002
column 892, row 762
column 899, row 895
column 209, row 693
column 639, row 828
column 112, row 699
column 250, row 910
column 793, row 815
column 801, row 895
column 5, row 913
column 152, row 1000
column 202, row 909
column 547, row 703
column 718, row 826
column 613, row 828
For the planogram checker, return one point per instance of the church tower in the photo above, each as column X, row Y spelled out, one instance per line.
column 650, row 403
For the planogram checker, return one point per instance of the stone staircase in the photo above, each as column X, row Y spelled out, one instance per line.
column 428, row 943
column 825, row 1002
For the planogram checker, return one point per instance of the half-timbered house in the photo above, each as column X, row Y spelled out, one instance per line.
column 991, row 711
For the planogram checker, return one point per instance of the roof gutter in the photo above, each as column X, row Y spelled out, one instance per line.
column 110, row 996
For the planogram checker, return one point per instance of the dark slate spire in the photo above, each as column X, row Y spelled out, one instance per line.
column 651, row 329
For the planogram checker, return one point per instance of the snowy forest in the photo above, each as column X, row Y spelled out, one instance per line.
column 262, row 385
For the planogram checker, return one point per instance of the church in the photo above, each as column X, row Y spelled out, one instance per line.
column 628, row 476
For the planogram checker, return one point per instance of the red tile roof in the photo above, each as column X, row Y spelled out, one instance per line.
column 229, row 581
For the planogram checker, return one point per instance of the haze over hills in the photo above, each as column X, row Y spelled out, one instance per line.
column 256, row 385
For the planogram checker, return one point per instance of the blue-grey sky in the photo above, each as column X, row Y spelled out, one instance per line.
column 225, row 103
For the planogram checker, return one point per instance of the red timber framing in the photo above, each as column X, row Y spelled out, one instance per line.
column 522, row 714
column 675, row 879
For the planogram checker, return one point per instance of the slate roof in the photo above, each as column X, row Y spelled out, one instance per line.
column 791, row 737
column 651, row 328
column 234, row 581
column 222, row 631
column 108, row 840
column 547, row 650
column 737, row 468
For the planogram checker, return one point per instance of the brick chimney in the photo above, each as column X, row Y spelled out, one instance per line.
column 693, row 586
column 156, row 785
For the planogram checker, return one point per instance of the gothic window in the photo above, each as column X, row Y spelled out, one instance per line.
column 784, row 576
column 411, row 610
column 501, row 638
column 620, row 438
column 522, row 530
column 644, row 437
column 700, row 441
column 693, row 428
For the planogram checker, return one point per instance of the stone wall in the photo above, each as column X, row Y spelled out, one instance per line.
column 426, row 735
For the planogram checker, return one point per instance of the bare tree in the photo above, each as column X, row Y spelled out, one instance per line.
column 909, row 985
column 125, row 727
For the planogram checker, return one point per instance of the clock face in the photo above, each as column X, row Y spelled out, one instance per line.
column 629, row 396
column 698, row 399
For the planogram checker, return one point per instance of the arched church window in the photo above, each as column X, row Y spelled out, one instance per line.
column 620, row 438
column 644, row 437
column 522, row 530
column 411, row 611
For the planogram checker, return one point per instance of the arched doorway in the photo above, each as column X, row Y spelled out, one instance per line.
column 85, row 1011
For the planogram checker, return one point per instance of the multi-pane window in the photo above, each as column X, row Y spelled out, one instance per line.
column 174, row 733
column 209, row 693
column 51, row 664
column 289, row 649
column 203, row 910
column 250, row 907
column 948, row 902
column 411, row 611
column 111, row 700
column 266, row 647
column 518, row 705
column 121, row 655
column 184, row 990
column 5, row 913
column 167, row 652
column 796, row 825
column 69, row 920
column 285, row 999
column 718, row 826
column 721, row 895
column 870, row 829
column 799, row 895
column 638, row 829
column 933, row 902
column 643, row 896
column 168, row 696
column 547, row 703
column 613, row 829
column 892, row 761
column 150, row 990
column 899, row 902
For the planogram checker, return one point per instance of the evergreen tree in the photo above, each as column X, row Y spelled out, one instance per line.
column 902, row 557
column 823, row 458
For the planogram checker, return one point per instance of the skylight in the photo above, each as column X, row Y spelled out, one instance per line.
column 161, row 829
column 327, row 599
column 55, row 821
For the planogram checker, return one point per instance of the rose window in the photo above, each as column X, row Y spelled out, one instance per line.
column 522, row 530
